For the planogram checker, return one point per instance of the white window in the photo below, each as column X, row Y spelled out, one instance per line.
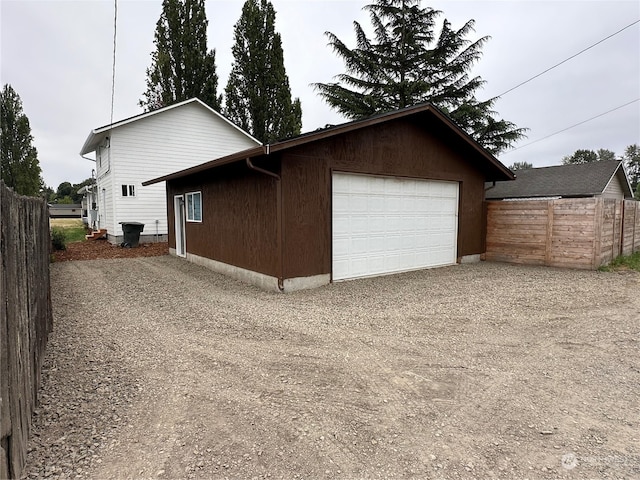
column 128, row 190
column 194, row 207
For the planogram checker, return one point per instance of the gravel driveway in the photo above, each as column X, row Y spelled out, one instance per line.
column 158, row 368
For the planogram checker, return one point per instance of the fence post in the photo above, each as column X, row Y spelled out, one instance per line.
column 633, row 226
column 25, row 320
column 597, row 233
column 621, row 243
column 548, row 247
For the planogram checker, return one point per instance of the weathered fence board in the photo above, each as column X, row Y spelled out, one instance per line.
column 25, row 320
column 631, row 236
column 578, row 233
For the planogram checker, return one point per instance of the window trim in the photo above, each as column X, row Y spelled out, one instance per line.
column 128, row 190
column 189, row 217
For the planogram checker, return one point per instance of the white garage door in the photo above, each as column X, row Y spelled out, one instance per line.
column 387, row 224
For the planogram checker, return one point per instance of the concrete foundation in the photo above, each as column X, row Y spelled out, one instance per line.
column 470, row 259
column 260, row 280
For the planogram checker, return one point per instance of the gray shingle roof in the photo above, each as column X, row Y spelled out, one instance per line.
column 583, row 180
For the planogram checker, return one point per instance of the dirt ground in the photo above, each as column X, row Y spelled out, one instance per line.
column 95, row 249
column 162, row 369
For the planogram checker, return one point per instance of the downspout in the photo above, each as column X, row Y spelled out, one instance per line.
column 279, row 218
column 493, row 185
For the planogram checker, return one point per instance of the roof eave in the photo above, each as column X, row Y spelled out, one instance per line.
column 340, row 129
column 627, row 181
column 90, row 145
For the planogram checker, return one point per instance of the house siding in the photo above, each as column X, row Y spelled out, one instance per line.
column 104, row 183
column 155, row 146
column 614, row 189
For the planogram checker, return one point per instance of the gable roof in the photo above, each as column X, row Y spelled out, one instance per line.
column 98, row 135
column 581, row 180
column 421, row 112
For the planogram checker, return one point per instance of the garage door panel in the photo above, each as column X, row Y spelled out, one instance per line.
column 384, row 225
column 341, row 248
column 341, row 203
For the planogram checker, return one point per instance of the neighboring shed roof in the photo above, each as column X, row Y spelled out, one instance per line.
column 581, row 180
column 97, row 135
column 423, row 112
column 65, row 206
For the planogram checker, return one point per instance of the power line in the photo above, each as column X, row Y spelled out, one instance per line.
column 569, row 58
column 113, row 68
column 572, row 126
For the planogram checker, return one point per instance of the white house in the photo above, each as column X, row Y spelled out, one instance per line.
column 150, row 145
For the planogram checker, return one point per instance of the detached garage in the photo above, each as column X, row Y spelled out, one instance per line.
column 397, row 192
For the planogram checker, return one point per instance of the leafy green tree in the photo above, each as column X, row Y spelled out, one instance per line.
column 67, row 192
column 409, row 62
column 580, row 156
column 77, row 197
column 258, row 96
column 64, row 190
column 604, row 154
column 181, row 67
column 19, row 165
column 588, row 156
column 520, row 166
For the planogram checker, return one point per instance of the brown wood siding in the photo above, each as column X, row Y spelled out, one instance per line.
column 399, row 148
column 239, row 217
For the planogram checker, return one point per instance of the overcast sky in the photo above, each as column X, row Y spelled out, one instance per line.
column 58, row 56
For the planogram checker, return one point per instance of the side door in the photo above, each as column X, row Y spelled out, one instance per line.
column 179, row 213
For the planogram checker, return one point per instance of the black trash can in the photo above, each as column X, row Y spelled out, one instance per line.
column 131, row 232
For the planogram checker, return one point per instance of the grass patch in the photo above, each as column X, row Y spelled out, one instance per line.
column 629, row 262
column 65, row 222
column 72, row 229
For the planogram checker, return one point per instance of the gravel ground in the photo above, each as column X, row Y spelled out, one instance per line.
column 158, row 368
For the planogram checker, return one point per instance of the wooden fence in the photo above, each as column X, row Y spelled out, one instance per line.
column 25, row 320
column 577, row 233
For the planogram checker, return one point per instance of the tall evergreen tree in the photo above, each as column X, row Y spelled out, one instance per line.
column 181, row 67
column 19, row 165
column 258, row 96
column 409, row 63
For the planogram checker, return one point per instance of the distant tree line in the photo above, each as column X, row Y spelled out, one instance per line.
column 520, row 166
column 66, row 192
